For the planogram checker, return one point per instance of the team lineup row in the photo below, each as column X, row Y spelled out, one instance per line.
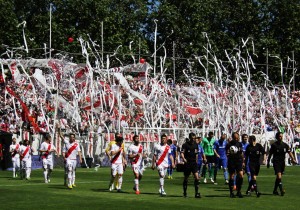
column 235, row 157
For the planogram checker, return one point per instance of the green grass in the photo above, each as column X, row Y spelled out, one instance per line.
column 91, row 192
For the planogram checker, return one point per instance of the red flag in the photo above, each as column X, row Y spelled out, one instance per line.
column 25, row 109
column 142, row 74
column 95, row 105
column 173, row 116
column 138, row 101
column 193, row 110
column 56, row 67
column 80, row 72
column 123, row 117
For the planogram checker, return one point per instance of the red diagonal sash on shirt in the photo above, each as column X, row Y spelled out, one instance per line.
column 162, row 157
column 45, row 155
column 15, row 150
column 138, row 156
column 25, row 152
column 116, row 157
column 71, row 150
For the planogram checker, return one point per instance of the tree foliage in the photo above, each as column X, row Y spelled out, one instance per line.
column 190, row 26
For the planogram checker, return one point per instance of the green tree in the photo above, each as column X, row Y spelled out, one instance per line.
column 271, row 25
column 279, row 34
column 10, row 33
column 122, row 23
column 224, row 24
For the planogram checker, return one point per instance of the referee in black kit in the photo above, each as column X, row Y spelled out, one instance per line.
column 253, row 153
column 234, row 151
column 189, row 155
column 278, row 151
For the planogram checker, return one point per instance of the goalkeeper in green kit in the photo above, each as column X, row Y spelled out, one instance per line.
column 208, row 147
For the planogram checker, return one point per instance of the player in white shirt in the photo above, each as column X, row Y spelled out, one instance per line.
column 47, row 149
column 161, row 154
column 70, row 151
column 118, row 162
column 15, row 157
column 136, row 155
column 25, row 152
column 107, row 152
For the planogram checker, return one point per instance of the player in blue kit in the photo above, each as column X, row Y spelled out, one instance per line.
column 221, row 157
column 201, row 155
column 245, row 143
column 174, row 154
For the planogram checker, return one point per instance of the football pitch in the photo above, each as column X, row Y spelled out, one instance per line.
column 92, row 192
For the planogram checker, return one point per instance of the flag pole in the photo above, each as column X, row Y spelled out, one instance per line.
column 50, row 35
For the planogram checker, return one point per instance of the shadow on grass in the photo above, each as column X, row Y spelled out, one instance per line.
column 13, row 179
column 58, row 187
column 158, row 195
column 33, row 181
column 24, row 181
column 125, row 192
column 216, row 196
column 245, row 196
column 100, row 190
column 106, row 190
column 8, row 177
column 222, row 190
column 267, row 194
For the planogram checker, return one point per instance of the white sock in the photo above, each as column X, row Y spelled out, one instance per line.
column 70, row 177
column 28, row 171
column 45, row 174
column 162, row 182
column 120, row 181
column 136, row 182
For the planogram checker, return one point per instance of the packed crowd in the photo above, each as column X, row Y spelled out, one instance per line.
column 64, row 96
column 266, row 113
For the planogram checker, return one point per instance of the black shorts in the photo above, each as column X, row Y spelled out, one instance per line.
column 235, row 166
column 254, row 168
column 210, row 159
column 190, row 167
column 279, row 167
